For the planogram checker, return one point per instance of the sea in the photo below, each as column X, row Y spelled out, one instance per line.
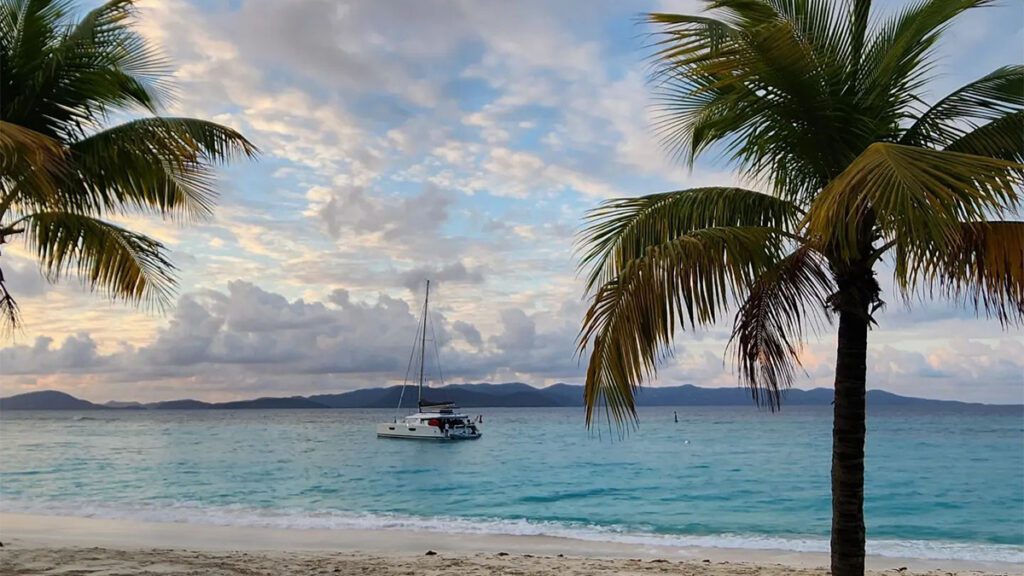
column 942, row 482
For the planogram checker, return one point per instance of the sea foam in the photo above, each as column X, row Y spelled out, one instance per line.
column 232, row 515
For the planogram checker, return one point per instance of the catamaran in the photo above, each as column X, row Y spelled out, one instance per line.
column 432, row 420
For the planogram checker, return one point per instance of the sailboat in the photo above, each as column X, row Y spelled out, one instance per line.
column 432, row 420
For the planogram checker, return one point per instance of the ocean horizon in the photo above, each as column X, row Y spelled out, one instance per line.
column 942, row 482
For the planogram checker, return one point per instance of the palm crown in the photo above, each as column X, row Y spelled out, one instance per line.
column 63, row 171
column 829, row 117
column 823, row 107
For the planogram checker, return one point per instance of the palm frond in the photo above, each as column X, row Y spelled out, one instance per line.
column 67, row 82
column 28, row 160
column 987, row 99
column 159, row 164
column 768, row 331
column 120, row 263
column 10, row 314
column 767, row 84
column 858, row 18
column 897, row 61
column 983, row 270
column 106, row 32
column 912, row 195
column 1001, row 138
column 622, row 230
column 61, row 173
column 690, row 279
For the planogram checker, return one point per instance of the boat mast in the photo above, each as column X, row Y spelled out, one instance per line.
column 423, row 349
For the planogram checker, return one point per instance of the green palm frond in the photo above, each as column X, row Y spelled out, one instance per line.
column 1001, row 138
column 768, row 83
column 858, row 16
column 897, row 61
column 620, row 231
column 122, row 264
column 74, row 74
column 694, row 106
column 768, row 332
column 155, row 164
column 990, row 98
column 983, row 270
column 689, row 279
column 912, row 195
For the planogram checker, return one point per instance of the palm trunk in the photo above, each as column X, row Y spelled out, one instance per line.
column 848, row 430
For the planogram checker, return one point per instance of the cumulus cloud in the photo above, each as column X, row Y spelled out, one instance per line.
column 76, row 354
column 356, row 210
column 248, row 340
column 283, row 346
column 456, row 272
column 468, row 332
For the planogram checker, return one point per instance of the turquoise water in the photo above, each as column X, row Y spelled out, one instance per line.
column 941, row 483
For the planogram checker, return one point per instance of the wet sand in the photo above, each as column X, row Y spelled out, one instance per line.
column 36, row 545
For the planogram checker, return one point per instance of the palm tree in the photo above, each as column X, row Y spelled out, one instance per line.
column 64, row 171
column 822, row 106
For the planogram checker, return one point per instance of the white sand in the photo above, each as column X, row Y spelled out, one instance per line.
column 80, row 546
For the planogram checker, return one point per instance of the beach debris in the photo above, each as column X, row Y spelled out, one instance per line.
column 430, row 553
column 901, row 569
column 502, row 553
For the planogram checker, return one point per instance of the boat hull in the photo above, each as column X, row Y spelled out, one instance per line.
column 419, row 432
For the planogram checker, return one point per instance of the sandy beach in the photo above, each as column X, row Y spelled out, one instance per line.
column 60, row 545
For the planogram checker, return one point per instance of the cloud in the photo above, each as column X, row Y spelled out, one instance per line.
column 22, row 276
column 246, row 340
column 456, row 272
column 76, row 354
column 281, row 346
column 355, row 210
column 469, row 333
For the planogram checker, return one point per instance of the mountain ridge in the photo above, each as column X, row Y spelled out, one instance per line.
column 468, row 395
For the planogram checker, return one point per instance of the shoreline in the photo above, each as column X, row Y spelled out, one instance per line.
column 39, row 532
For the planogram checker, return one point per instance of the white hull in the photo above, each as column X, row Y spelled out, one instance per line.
column 418, row 427
column 401, row 430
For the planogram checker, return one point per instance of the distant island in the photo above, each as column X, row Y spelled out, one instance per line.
column 508, row 395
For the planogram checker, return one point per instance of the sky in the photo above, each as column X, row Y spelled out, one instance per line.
column 460, row 141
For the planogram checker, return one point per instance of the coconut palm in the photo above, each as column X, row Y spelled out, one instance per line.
column 64, row 170
column 823, row 107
